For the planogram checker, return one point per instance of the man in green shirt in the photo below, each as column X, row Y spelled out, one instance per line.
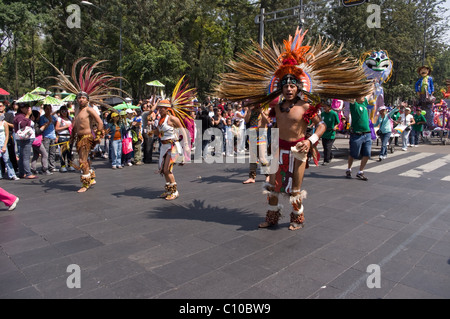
column 360, row 137
column 396, row 119
column 417, row 128
column 331, row 119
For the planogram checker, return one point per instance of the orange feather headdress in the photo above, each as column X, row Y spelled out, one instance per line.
column 292, row 57
column 322, row 70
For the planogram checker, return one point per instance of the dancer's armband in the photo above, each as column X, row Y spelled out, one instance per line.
column 313, row 138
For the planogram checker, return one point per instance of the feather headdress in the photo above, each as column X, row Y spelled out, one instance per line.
column 97, row 86
column 321, row 69
column 182, row 100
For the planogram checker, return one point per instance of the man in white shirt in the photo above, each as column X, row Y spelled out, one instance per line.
column 240, row 116
column 408, row 120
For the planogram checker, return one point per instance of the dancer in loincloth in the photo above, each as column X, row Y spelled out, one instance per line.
column 175, row 138
column 87, row 130
column 85, row 117
column 299, row 76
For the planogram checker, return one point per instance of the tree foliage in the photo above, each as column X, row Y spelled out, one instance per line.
column 165, row 39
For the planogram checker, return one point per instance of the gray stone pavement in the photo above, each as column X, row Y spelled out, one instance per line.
column 205, row 245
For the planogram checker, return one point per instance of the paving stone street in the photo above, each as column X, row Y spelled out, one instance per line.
column 130, row 244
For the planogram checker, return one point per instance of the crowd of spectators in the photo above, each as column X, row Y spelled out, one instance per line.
column 127, row 142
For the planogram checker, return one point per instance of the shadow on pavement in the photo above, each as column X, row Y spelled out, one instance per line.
column 197, row 210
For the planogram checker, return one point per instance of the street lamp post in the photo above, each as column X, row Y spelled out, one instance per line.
column 87, row 3
column 261, row 29
column 425, row 34
column 299, row 11
column 301, row 20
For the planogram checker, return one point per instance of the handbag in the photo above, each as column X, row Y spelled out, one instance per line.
column 127, row 145
column 24, row 133
column 37, row 141
column 379, row 130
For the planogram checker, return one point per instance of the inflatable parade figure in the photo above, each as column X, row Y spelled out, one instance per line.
column 338, row 107
column 425, row 89
column 378, row 66
column 440, row 115
column 446, row 93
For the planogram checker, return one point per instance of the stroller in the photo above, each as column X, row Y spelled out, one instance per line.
column 440, row 133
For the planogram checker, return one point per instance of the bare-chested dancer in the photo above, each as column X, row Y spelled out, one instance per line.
column 82, row 133
column 292, row 123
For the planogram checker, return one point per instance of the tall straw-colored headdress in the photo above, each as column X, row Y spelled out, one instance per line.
column 319, row 70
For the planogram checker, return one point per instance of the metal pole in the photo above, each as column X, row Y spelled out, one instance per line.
column 261, row 28
column 120, row 59
column 424, row 34
column 300, row 24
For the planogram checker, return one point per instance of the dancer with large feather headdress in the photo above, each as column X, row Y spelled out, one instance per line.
column 89, row 86
column 297, row 76
column 169, row 127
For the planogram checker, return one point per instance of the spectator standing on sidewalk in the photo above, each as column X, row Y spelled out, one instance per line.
column 116, row 132
column 148, row 115
column 257, row 121
column 63, row 130
column 207, row 122
column 49, row 137
column 10, row 113
column 219, row 123
column 331, row 119
column 136, row 127
column 240, row 116
column 4, row 137
column 417, row 127
column 407, row 120
column 38, row 148
column 21, row 120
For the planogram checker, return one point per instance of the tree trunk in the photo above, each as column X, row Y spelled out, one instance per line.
column 33, row 68
column 16, row 84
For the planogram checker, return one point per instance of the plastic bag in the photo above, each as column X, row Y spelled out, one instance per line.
column 127, row 145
